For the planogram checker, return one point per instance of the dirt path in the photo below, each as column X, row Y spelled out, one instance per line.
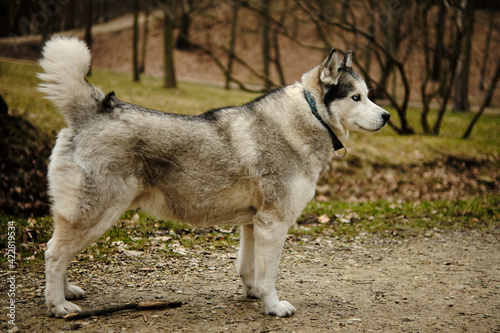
column 438, row 282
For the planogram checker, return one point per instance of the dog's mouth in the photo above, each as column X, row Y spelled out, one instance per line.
column 364, row 129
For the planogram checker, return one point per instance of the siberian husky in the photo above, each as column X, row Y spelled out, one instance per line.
column 254, row 165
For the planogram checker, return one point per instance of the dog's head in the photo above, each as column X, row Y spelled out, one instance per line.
column 342, row 97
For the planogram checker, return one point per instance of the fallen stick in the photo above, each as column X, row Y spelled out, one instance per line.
column 129, row 306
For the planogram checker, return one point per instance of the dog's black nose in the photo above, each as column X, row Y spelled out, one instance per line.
column 386, row 116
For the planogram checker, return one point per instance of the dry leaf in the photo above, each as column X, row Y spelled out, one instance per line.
column 323, row 219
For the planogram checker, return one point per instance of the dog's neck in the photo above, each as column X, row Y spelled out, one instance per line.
column 335, row 130
column 337, row 145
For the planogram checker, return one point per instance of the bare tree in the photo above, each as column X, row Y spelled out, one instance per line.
column 4, row 109
column 430, row 72
column 135, row 42
column 486, row 52
column 325, row 11
column 486, row 102
column 4, row 19
column 439, row 43
column 266, row 48
column 466, row 22
column 232, row 41
column 88, row 27
column 275, row 42
column 453, row 55
column 183, row 40
column 448, row 61
column 105, row 10
column 145, row 36
column 390, row 26
column 69, row 15
column 169, row 9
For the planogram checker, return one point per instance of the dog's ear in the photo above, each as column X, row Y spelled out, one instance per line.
column 330, row 69
column 347, row 61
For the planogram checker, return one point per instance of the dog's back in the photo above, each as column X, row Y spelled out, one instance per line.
column 172, row 166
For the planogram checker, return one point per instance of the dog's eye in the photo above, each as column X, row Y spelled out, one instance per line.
column 356, row 98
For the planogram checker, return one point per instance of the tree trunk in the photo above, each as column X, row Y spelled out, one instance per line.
column 232, row 42
column 183, row 40
column 4, row 19
column 105, row 10
column 429, row 71
column 168, row 45
column 145, row 35
column 325, row 12
column 4, row 109
column 88, row 28
column 446, row 92
column 69, row 15
column 486, row 52
column 439, row 46
column 392, row 32
column 266, row 47
column 135, row 42
column 277, row 58
column 463, row 69
column 48, row 28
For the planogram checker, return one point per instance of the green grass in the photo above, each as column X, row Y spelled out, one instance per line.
column 18, row 87
column 406, row 218
column 389, row 147
column 139, row 231
column 136, row 230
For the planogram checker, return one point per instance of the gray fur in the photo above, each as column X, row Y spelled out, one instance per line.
column 254, row 165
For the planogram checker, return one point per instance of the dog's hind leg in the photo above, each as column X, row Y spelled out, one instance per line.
column 69, row 239
column 246, row 261
column 60, row 251
column 270, row 236
column 70, row 292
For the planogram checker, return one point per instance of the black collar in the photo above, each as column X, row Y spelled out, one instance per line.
column 337, row 145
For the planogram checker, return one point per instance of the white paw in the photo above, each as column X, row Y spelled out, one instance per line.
column 280, row 309
column 65, row 308
column 73, row 292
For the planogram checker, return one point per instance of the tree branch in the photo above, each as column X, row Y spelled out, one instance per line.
column 130, row 306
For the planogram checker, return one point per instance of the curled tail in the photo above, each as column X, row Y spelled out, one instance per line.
column 66, row 62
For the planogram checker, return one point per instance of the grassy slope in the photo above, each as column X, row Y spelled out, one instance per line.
column 18, row 87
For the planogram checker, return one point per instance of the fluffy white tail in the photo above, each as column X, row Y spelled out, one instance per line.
column 66, row 62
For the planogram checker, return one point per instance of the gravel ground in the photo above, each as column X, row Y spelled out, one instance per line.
column 435, row 282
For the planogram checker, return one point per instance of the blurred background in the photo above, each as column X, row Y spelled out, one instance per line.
column 433, row 64
column 401, row 46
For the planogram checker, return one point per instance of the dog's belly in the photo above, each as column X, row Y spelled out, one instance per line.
column 230, row 207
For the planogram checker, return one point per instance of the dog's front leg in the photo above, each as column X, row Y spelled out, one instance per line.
column 269, row 237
